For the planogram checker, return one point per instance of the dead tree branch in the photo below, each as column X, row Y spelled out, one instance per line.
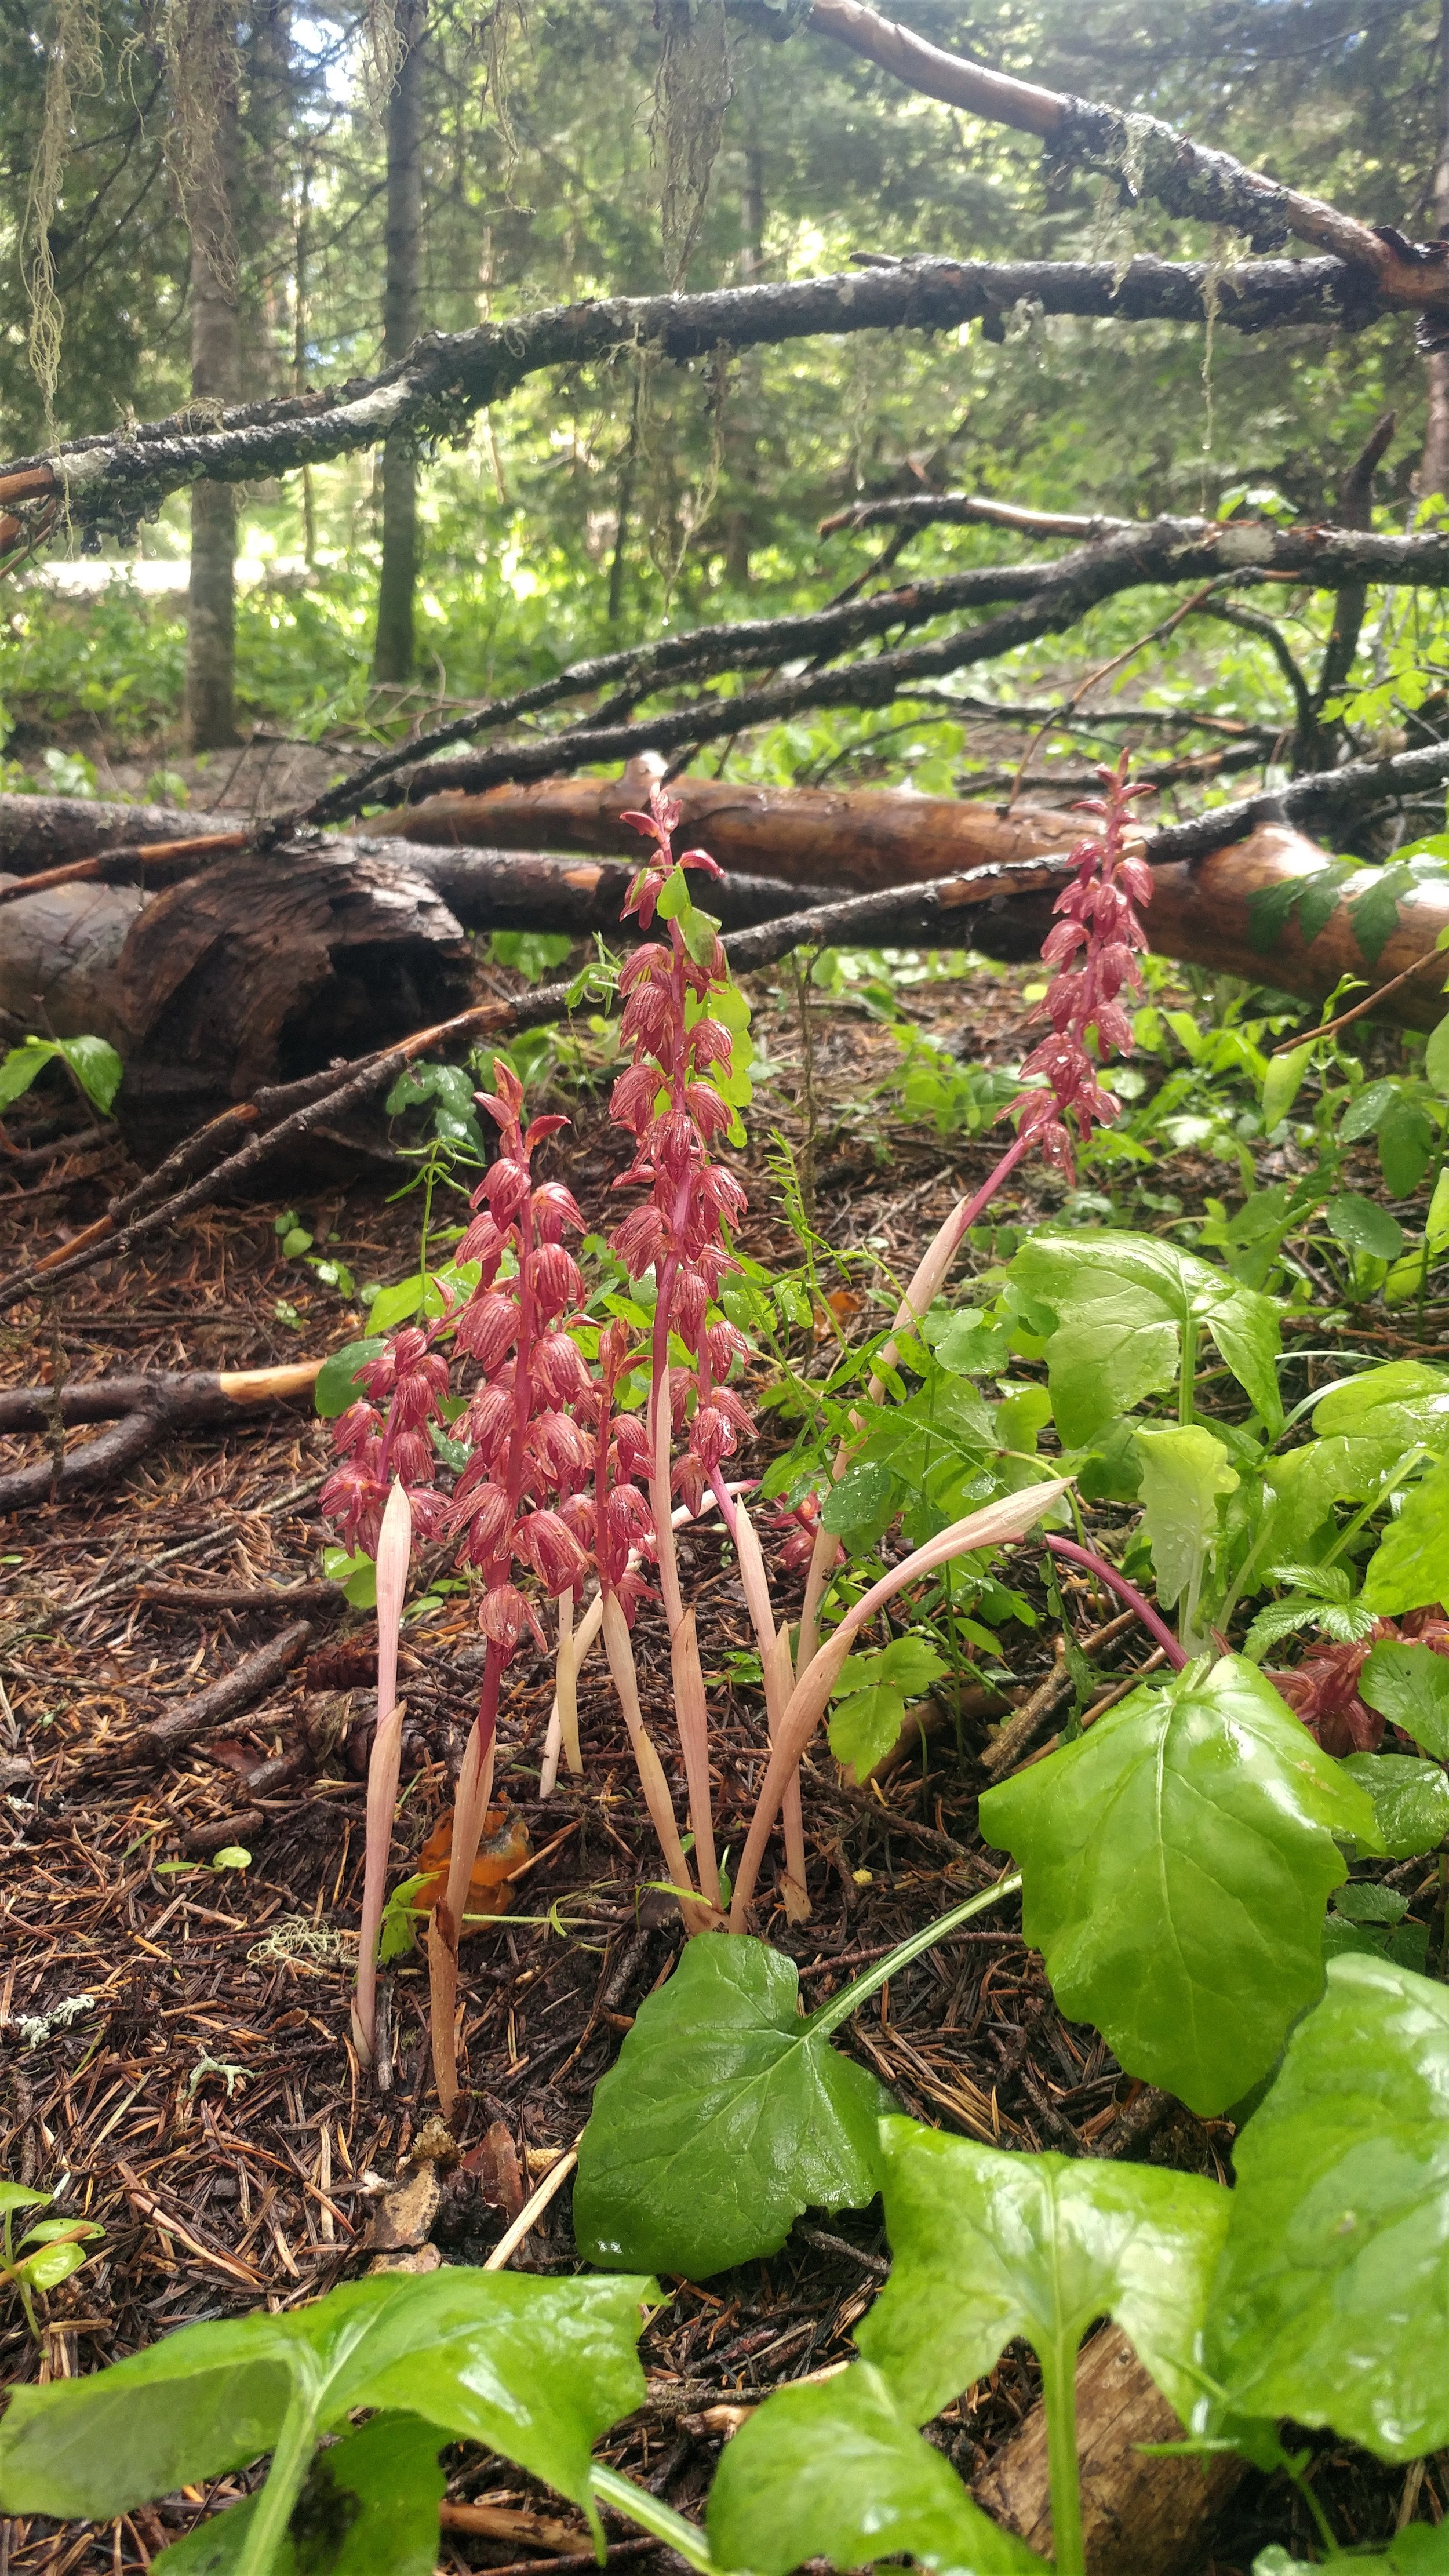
column 141, row 1412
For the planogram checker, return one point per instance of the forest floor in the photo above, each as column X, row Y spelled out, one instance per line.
column 175, row 2057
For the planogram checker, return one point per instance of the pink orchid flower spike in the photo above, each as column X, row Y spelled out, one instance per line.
column 394, row 1553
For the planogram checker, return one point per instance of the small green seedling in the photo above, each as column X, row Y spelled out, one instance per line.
column 58, row 2247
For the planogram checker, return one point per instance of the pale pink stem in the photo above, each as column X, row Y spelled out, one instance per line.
column 778, row 1679
column 470, row 1809
column 1009, row 1518
column 1125, row 1591
column 394, row 1549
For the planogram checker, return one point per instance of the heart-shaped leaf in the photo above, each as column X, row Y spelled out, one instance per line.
column 1122, row 1303
column 839, row 2472
column 985, row 2246
column 1332, row 2304
column 1410, row 1686
column 1177, row 1861
column 371, row 2503
column 726, row 2115
column 537, row 2369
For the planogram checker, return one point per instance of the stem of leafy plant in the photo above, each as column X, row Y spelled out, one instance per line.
column 654, row 2516
column 840, row 2007
column 1187, row 1371
column 1156, row 1627
column 284, row 2483
column 1435, row 1172
column 1059, row 2395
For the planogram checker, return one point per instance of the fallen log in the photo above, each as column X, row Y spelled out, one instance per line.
column 142, row 1411
column 1140, row 2516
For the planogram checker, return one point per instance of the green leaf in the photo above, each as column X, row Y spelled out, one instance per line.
column 356, row 1574
column 1332, row 2305
column 1363, row 1227
column 536, row 2369
column 1280, row 1619
column 1410, row 1801
column 52, row 2264
column 838, row 2472
column 398, row 1932
column 865, row 1726
column 1177, row 1861
column 1405, row 1400
column 295, row 1242
column 337, row 1384
column 371, row 2503
column 1421, row 2549
column 1375, row 912
column 986, row 2246
column 1281, row 1081
column 907, row 1664
column 97, row 1068
column 1406, row 1146
column 1122, row 1302
column 1436, row 1058
column 862, row 1505
column 16, row 2195
column 1409, row 1685
column 1409, row 1569
column 396, row 1304
column 1362, row 1116
column 21, row 1066
column 724, row 2116
column 1185, row 1470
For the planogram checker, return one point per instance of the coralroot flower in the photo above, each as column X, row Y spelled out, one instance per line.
column 1094, row 949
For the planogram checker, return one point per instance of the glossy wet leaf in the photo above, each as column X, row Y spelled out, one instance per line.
column 986, row 2246
column 1410, row 1800
column 337, row 1385
column 1404, row 1401
column 723, row 2118
column 1363, row 1226
column 1332, row 2305
column 1122, row 1302
column 1409, row 1569
column 370, row 2505
column 871, row 1697
column 537, row 2369
column 1177, row 1859
column 1185, row 1470
column 1420, row 2550
column 1409, row 1685
column 840, row 2472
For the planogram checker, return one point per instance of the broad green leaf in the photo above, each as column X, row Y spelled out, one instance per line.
column 722, row 2119
column 1375, row 912
column 1332, row 2305
column 21, row 1066
column 370, row 2504
column 17, row 2195
column 908, row 1664
column 1409, row 1685
column 337, row 1383
column 1410, row 1801
column 1366, row 1110
column 985, row 2246
column 1436, row 1058
column 1364, row 1227
column 1184, row 1471
column 1409, row 1569
column 1122, row 1302
column 859, row 1507
column 537, row 2369
column 357, row 1575
column 1405, row 1401
column 865, row 1726
column 97, row 1068
column 396, row 1305
column 1422, row 2549
column 1280, row 1083
column 1436, row 1221
column 1406, row 1146
column 1177, row 1861
column 839, row 2472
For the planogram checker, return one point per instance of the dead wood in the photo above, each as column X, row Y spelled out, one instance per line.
column 143, row 1411
column 1140, row 2516
column 241, row 1688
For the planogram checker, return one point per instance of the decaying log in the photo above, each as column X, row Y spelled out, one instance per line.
column 39, row 832
column 1141, row 2516
column 141, row 1412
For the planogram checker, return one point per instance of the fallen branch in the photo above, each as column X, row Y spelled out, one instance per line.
column 241, row 1688
column 120, row 477
column 142, row 1410
column 1144, row 156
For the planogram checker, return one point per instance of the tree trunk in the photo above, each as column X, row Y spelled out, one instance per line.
column 215, row 371
column 1434, row 469
column 393, row 651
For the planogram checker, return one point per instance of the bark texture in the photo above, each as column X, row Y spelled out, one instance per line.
column 401, row 318
column 1434, row 468
column 215, row 369
column 1141, row 2517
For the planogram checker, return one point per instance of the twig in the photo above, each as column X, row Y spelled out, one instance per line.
column 532, row 2210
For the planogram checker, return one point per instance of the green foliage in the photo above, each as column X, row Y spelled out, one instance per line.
column 724, row 2117
column 1410, row 1686
column 1177, row 1860
column 369, row 2503
column 338, row 1384
column 536, row 2369
column 873, row 1690
column 93, row 1061
column 841, row 2473
column 1410, row 1801
column 57, row 2246
column 1333, row 2302
column 1118, row 1310
column 1409, row 1569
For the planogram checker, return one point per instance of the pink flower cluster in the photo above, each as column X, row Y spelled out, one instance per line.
column 674, row 1113
column 1100, row 930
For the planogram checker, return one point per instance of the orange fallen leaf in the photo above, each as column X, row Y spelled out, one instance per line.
column 503, row 1850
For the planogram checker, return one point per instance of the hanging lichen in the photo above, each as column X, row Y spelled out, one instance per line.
column 73, row 64
column 693, row 88
column 198, row 40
